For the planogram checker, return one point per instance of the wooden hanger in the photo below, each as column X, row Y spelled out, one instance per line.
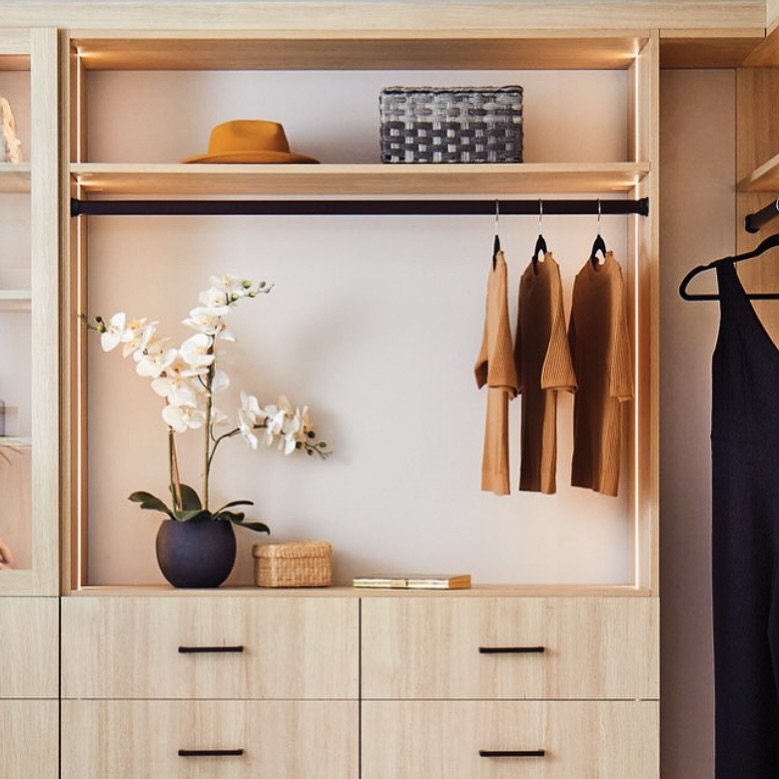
column 540, row 247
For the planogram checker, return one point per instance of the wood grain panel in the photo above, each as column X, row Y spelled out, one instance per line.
column 362, row 179
column 348, row 50
column 29, row 739
column 574, row 14
column 727, row 48
column 424, row 739
column 132, row 739
column 129, row 648
column 757, row 141
column 593, row 648
column 29, row 648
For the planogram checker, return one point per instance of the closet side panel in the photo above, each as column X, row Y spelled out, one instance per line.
column 697, row 213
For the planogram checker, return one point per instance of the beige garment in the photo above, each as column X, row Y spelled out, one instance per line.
column 495, row 368
column 544, row 366
column 600, row 347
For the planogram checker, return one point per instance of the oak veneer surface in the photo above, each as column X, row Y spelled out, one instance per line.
column 29, row 736
column 129, row 648
column 593, row 648
column 140, row 739
column 442, row 739
column 29, row 643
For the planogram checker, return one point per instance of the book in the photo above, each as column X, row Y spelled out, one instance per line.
column 415, row 581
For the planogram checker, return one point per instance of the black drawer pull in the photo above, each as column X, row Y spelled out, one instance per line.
column 511, row 650
column 512, row 752
column 210, row 752
column 201, row 650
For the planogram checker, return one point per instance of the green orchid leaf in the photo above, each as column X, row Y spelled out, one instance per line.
column 233, row 516
column 150, row 502
column 257, row 526
column 186, row 515
column 189, row 498
column 235, row 503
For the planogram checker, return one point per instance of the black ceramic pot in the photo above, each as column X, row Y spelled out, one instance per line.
column 197, row 553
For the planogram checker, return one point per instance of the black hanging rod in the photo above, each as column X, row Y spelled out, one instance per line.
column 353, row 207
column 753, row 222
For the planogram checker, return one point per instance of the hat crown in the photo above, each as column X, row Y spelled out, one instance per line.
column 247, row 135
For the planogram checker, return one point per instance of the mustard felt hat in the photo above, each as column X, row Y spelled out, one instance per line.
column 249, row 140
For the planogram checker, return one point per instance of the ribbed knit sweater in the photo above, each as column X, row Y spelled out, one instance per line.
column 600, row 347
column 544, row 366
column 495, row 368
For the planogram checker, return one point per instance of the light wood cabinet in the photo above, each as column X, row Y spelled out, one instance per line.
column 510, row 648
column 29, row 739
column 217, row 647
column 135, row 739
column 29, row 647
column 559, row 739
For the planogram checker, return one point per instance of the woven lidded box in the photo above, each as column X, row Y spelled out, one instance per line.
column 452, row 124
column 294, row 564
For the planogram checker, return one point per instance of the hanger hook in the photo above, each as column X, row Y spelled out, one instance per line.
column 540, row 214
column 497, row 215
column 599, row 213
column 776, row 205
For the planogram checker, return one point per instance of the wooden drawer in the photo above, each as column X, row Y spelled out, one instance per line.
column 579, row 739
column 415, row 647
column 151, row 647
column 290, row 739
column 29, row 648
column 29, row 735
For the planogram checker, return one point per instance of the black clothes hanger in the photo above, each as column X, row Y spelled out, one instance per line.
column 769, row 243
column 598, row 245
column 540, row 242
column 496, row 242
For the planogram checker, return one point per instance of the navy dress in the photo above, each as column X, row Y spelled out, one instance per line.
column 745, row 537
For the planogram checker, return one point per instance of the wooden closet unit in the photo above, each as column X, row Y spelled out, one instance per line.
column 552, row 678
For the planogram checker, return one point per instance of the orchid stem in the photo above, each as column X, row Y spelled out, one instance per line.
column 175, row 480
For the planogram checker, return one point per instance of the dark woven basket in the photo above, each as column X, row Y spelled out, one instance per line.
column 452, row 124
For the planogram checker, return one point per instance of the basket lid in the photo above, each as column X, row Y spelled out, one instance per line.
column 293, row 549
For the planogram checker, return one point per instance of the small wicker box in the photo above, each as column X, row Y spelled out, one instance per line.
column 295, row 564
column 452, row 124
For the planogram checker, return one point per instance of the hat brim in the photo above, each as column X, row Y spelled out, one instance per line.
column 268, row 157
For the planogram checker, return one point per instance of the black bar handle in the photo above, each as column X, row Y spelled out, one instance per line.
column 202, row 650
column 754, row 222
column 511, row 650
column 210, row 752
column 512, row 752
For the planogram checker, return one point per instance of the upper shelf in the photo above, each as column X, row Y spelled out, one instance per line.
column 765, row 178
column 15, row 300
column 14, row 177
column 468, row 49
column 369, row 179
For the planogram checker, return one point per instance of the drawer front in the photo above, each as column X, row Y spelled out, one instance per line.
column 434, row 648
column 581, row 739
column 29, row 735
column 290, row 739
column 29, row 648
column 210, row 647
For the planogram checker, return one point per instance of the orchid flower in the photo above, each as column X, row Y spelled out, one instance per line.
column 195, row 351
column 182, row 418
column 113, row 332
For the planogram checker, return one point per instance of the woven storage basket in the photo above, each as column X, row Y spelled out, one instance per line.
column 455, row 124
column 297, row 564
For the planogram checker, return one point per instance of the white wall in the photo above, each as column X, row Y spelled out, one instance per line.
column 375, row 322
column 698, row 225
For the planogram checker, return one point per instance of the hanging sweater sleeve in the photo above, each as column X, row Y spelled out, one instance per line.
column 620, row 368
column 557, row 372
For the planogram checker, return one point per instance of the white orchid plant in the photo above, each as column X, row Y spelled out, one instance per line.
column 187, row 378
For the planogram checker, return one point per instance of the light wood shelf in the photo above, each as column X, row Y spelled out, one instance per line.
column 368, row 179
column 477, row 591
column 15, row 299
column 764, row 178
column 468, row 49
column 14, row 177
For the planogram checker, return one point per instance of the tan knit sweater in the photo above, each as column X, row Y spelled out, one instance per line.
column 495, row 368
column 544, row 366
column 600, row 347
